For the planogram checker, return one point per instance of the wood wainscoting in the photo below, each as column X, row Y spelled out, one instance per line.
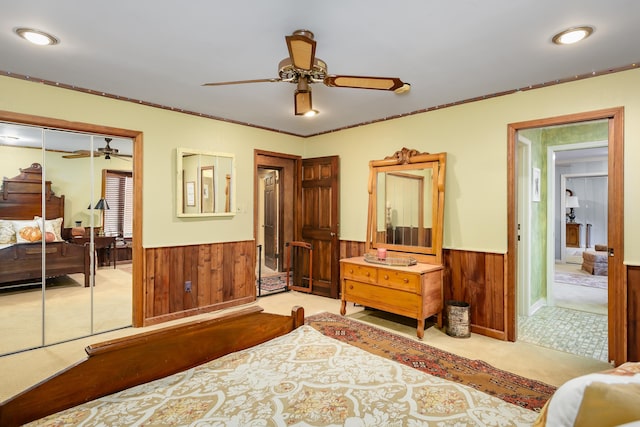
column 222, row 275
column 349, row 249
column 478, row 278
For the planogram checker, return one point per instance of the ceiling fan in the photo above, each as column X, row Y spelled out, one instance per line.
column 105, row 151
column 303, row 68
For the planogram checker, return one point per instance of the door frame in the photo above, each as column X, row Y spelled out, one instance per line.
column 137, row 256
column 618, row 347
column 289, row 170
column 523, row 282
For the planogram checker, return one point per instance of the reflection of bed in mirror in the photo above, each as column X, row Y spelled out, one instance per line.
column 21, row 248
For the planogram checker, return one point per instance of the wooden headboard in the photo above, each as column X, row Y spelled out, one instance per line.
column 21, row 196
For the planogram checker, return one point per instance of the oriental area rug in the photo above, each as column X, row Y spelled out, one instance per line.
column 480, row 375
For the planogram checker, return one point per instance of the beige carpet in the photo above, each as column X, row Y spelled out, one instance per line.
column 21, row 370
column 68, row 308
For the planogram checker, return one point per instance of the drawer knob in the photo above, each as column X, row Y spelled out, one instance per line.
column 368, row 274
column 406, row 280
column 351, row 270
column 351, row 287
column 386, row 277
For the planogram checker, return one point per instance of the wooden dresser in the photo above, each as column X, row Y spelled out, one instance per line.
column 414, row 291
column 573, row 234
column 406, row 199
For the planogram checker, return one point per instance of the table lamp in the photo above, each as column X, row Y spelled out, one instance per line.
column 101, row 205
column 571, row 203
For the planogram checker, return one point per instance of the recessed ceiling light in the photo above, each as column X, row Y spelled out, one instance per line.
column 572, row 35
column 311, row 113
column 36, row 36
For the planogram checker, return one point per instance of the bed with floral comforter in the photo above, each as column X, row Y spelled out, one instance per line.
column 302, row 378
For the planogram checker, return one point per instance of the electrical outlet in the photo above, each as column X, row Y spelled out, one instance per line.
column 187, row 286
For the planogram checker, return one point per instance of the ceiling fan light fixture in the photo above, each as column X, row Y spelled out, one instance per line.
column 36, row 37
column 572, row 35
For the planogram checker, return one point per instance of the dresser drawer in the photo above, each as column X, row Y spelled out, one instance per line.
column 399, row 280
column 360, row 273
column 383, row 298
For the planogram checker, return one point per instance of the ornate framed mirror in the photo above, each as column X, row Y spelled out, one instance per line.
column 406, row 205
column 205, row 183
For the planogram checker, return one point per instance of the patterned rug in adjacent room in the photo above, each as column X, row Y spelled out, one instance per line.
column 480, row 375
column 273, row 284
column 582, row 279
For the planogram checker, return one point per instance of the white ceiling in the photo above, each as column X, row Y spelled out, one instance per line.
column 161, row 51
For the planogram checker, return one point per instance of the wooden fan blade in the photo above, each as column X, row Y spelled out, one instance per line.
column 302, row 49
column 359, row 82
column 239, row 82
column 78, row 154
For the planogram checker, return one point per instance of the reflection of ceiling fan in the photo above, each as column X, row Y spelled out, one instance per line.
column 105, row 151
column 303, row 68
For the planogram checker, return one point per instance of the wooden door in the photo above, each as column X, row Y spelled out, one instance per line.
column 318, row 212
column 270, row 219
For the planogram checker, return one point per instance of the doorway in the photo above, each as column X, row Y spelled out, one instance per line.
column 269, row 220
column 571, row 316
column 275, row 190
column 611, row 122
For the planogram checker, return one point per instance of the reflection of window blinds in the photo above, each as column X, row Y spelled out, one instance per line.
column 128, row 207
column 119, row 194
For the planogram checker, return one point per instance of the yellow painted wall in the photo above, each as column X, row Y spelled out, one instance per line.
column 474, row 135
column 164, row 131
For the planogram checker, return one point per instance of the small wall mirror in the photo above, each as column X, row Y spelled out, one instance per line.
column 205, row 183
column 406, row 204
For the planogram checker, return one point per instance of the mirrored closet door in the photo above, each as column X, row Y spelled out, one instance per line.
column 65, row 235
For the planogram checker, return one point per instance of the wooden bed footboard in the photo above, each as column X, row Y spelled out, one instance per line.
column 23, row 262
column 118, row 364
